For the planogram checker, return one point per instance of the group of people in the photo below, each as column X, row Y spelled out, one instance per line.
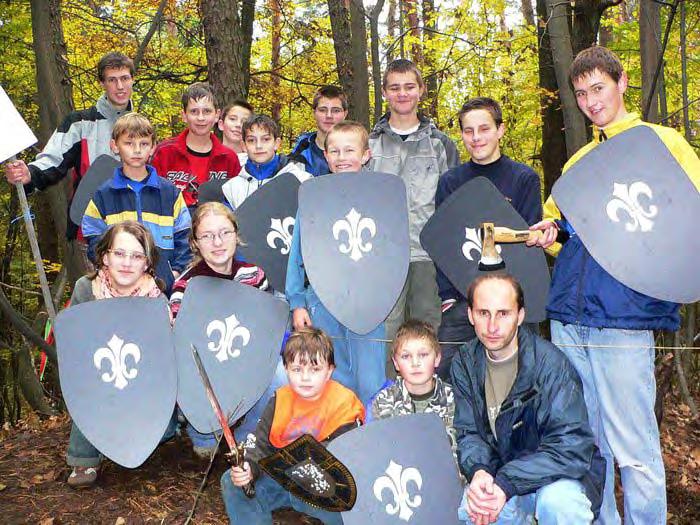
column 536, row 429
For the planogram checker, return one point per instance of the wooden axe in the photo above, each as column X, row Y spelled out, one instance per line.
column 490, row 234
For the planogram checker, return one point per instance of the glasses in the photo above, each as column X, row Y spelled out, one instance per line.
column 124, row 254
column 223, row 236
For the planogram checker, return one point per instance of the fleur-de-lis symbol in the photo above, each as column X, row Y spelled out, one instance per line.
column 229, row 329
column 473, row 243
column 116, row 354
column 396, row 481
column 627, row 200
column 281, row 230
column 354, row 224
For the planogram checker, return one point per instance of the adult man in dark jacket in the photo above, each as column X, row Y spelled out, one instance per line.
column 523, row 439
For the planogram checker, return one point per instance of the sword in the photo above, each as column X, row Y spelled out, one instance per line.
column 236, row 454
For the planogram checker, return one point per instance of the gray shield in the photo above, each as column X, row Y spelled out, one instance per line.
column 266, row 221
column 404, row 471
column 117, row 369
column 100, row 171
column 451, row 239
column 238, row 331
column 634, row 208
column 210, row 191
column 354, row 242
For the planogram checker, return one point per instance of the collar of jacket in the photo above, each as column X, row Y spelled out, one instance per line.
column 265, row 170
column 121, row 181
column 108, row 111
column 438, row 392
column 217, row 148
column 625, row 123
column 424, row 128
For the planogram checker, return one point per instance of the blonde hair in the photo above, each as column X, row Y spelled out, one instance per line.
column 133, row 125
column 349, row 126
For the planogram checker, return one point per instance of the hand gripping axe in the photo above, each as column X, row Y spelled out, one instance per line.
column 490, row 234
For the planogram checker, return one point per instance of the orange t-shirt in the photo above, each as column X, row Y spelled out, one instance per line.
column 295, row 416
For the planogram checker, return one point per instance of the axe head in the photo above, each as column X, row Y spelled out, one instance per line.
column 490, row 258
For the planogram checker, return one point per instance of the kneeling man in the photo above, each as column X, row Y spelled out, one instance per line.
column 523, row 438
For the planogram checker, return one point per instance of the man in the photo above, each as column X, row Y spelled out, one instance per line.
column 481, row 122
column 592, row 313
column 330, row 106
column 523, row 439
column 83, row 135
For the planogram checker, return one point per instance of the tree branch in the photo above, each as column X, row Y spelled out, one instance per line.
column 157, row 19
column 23, row 328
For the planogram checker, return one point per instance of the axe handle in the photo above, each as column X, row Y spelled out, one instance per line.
column 508, row 235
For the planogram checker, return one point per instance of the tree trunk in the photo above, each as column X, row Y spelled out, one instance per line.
column 431, row 78
column 649, row 47
column 391, row 28
column 410, row 10
column 527, row 12
column 247, row 19
column 376, row 66
column 275, row 40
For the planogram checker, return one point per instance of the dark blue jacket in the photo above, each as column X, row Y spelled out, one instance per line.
column 543, row 431
column 306, row 151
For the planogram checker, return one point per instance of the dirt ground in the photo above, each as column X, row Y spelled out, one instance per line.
column 33, row 474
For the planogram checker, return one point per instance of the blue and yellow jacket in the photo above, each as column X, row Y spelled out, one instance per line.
column 582, row 291
column 159, row 206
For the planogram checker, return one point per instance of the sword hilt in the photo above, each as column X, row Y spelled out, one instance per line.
column 236, row 458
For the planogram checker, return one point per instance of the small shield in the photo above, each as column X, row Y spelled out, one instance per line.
column 117, row 369
column 451, row 238
column 237, row 330
column 404, row 470
column 310, row 472
column 354, row 242
column 100, row 171
column 210, row 191
column 632, row 204
column 266, row 220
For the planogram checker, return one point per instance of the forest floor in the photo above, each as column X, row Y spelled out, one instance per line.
column 33, row 477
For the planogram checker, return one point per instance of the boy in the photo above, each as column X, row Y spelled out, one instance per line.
column 231, row 123
column 409, row 145
column 481, row 122
column 604, row 327
column 261, row 136
column 416, row 356
column 312, row 403
column 137, row 193
column 330, row 106
column 195, row 156
column 360, row 361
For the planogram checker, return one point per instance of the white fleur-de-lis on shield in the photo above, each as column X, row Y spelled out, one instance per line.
column 627, row 199
column 116, row 353
column 473, row 243
column 229, row 329
column 354, row 225
column 396, row 482
column 281, row 230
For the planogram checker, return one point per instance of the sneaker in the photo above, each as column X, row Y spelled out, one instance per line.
column 203, row 452
column 82, row 477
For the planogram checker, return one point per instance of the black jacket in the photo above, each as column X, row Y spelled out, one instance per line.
column 543, row 431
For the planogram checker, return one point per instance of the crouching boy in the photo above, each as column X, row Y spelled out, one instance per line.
column 311, row 403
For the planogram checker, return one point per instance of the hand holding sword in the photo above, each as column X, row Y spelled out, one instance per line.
column 241, row 474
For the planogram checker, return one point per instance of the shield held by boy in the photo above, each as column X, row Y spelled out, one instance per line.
column 101, row 170
column 404, row 471
column 355, row 244
column 266, row 221
column 117, row 369
column 238, row 331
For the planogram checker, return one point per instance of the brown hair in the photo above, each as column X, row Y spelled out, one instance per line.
column 596, row 57
column 209, row 208
column 401, row 65
column 142, row 235
column 262, row 121
column 114, row 60
column 519, row 296
column 415, row 329
column 486, row 103
column 310, row 345
column 134, row 125
column 198, row 91
column 238, row 103
column 349, row 126
column 330, row 92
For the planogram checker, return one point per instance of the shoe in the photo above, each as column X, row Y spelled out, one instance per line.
column 203, row 452
column 82, row 477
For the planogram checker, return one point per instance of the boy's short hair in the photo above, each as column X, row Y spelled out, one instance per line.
column 133, row 125
column 310, row 345
column 240, row 103
column 402, row 65
column 415, row 329
column 596, row 57
column 114, row 60
column 330, row 92
column 519, row 295
column 349, row 126
column 197, row 91
column 486, row 103
column 261, row 121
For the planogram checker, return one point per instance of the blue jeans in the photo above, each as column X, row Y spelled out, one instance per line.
column 82, row 453
column 620, row 391
column 269, row 496
column 563, row 502
column 359, row 361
